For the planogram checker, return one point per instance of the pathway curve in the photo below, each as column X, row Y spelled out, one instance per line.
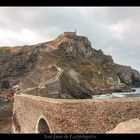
column 47, row 82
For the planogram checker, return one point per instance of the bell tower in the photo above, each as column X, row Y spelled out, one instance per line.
column 75, row 31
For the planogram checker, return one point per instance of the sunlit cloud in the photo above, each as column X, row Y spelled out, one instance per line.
column 11, row 38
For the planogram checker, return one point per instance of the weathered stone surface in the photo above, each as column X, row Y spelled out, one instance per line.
column 6, row 112
column 21, row 61
column 73, row 116
column 130, row 126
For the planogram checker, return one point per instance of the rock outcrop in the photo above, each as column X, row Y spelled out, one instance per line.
column 130, row 126
column 15, row 64
column 86, row 70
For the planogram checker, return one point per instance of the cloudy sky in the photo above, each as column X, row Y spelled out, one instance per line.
column 115, row 30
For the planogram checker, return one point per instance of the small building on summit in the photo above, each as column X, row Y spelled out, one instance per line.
column 70, row 33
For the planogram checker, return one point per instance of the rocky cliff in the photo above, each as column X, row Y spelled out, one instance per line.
column 86, row 71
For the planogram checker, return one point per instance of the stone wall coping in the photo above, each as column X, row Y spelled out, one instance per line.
column 78, row 100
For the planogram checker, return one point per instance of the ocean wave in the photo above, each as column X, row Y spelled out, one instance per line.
column 118, row 95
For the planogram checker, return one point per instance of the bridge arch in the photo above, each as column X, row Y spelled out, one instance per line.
column 42, row 125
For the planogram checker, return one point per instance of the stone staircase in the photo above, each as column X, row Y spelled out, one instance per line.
column 52, row 85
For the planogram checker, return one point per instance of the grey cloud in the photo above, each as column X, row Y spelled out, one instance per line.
column 117, row 14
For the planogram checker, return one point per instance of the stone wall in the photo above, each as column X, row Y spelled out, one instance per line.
column 69, row 33
column 72, row 116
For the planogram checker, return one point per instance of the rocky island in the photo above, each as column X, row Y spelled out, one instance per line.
column 82, row 70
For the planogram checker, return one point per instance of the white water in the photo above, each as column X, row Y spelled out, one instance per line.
column 118, row 95
column 119, row 81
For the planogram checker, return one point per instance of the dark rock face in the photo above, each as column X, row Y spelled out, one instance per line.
column 71, row 89
column 135, row 78
column 16, row 64
column 129, row 76
column 85, row 68
column 6, row 112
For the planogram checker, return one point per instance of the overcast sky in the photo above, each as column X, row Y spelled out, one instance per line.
column 115, row 30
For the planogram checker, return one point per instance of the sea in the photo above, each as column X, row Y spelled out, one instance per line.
column 118, row 95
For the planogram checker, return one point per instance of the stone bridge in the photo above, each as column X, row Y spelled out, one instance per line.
column 34, row 114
